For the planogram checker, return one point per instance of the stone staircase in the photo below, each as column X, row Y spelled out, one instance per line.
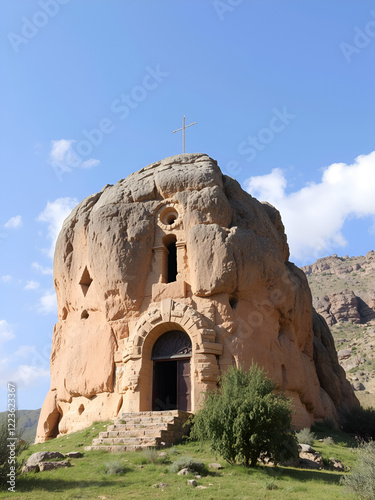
column 136, row 431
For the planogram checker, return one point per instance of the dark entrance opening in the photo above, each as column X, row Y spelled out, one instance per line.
column 171, row 379
column 172, row 262
column 165, row 385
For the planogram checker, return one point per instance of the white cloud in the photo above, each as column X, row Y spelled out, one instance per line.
column 27, row 375
column 6, row 278
column 5, row 331
column 14, row 222
column 315, row 215
column 41, row 269
column 54, row 215
column 60, row 149
column 24, row 351
column 15, row 368
column 22, row 375
column 90, row 163
column 31, row 285
column 48, row 303
column 64, row 158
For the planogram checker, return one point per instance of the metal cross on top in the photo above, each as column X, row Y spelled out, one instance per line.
column 183, row 132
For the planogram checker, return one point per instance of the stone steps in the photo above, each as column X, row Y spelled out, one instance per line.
column 135, row 427
column 147, row 420
column 137, row 431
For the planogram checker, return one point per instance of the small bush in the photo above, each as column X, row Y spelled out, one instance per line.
column 188, row 463
column 305, row 436
column 115, row 467
column 271, row 484
column 173, row 451
column 361, row 480
column 150, row 455
column 328, row 440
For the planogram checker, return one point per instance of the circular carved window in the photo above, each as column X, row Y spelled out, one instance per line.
column 169, row 216
column 171, row 345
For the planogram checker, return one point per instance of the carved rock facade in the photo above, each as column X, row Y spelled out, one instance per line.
column 180, row 247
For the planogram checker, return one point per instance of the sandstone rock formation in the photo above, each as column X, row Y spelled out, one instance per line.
column 343, row 290
column 177, row 262
column 350, row 285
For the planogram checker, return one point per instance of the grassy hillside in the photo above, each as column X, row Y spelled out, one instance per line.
column 87, row 477
column 27, row 421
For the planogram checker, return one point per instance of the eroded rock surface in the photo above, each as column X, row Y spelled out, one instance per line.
column 349, row 282
column 343, row 290
column 234, row 292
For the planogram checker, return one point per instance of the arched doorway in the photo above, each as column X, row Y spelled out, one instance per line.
column 171, row 355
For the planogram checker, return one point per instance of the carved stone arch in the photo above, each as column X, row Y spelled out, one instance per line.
column 171, row 315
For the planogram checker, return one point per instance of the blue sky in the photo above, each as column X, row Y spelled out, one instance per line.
column 91, row 90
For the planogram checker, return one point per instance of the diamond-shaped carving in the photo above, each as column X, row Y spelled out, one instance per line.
column 85, row 281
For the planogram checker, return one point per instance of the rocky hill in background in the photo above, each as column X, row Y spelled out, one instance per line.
column 27, row 422
column 343, row 291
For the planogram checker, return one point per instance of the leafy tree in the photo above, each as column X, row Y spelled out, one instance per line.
column 246, row 419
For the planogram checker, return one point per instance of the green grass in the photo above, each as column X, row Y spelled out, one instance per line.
column 88, row 477
column 343, row 449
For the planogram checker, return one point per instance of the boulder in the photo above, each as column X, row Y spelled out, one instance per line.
column 358, row 386
column 215, row 466
column 344, row 354
column 53, row 465
column 74, row 454
column 160, row 485
column 183, row 472
column 30, row 468
column 337, row 465
column 41, row 456
column 306, row 448
column 311, row 461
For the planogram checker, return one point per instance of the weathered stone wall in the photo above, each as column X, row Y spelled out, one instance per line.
column 236, row 295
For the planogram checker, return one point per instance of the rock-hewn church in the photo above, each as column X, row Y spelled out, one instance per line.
column 163, row 281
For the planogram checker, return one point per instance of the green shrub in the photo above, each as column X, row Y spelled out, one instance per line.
column 328, row 440
column 188, row 463
column 305, row 436
column 361, row 480
column 150, row 455
column 115, row 467
column 271, row 484
column 246, row 419
column 360, row 421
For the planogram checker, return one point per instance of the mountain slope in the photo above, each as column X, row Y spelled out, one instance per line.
column 27, row 421
column 343, row 291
